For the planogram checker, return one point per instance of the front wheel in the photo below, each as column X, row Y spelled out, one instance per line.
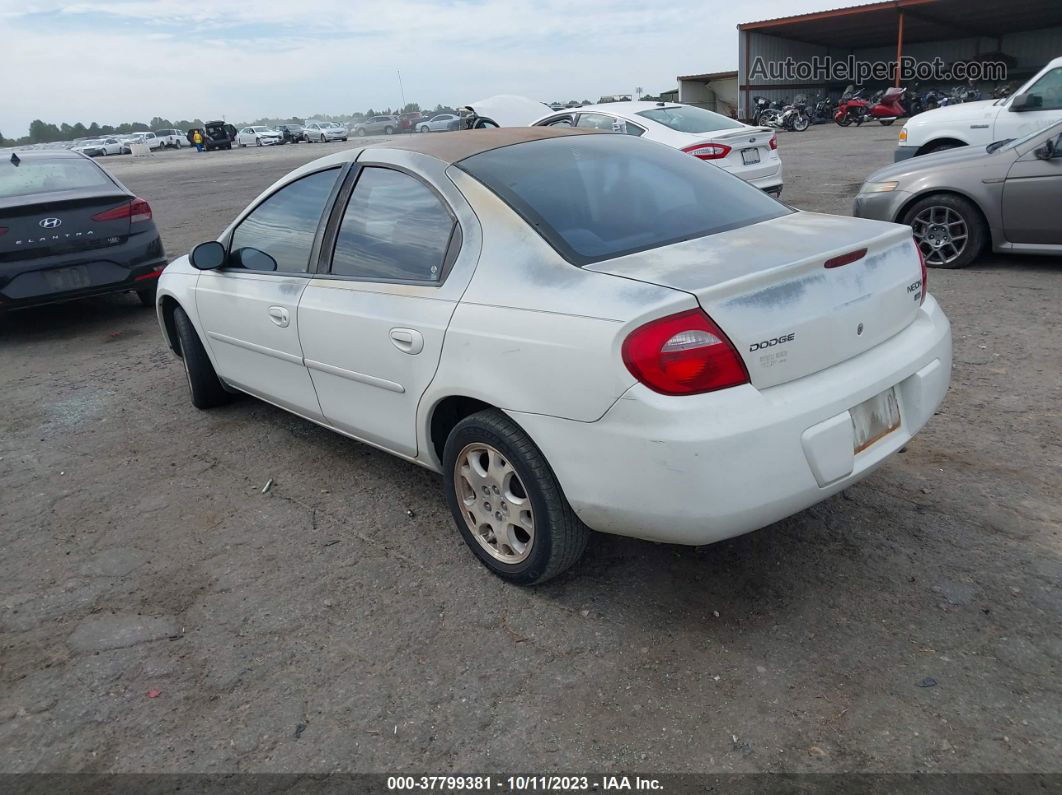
column 425, row 129
column 948, row 229
column 507, row 502
column 361, row 133
column 801, row 122
column 843, row 121
column 257, row 141
column 388, row 130
column 203, row 381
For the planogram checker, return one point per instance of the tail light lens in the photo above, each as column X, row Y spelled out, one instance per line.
column 3, row 230
column 683, row 354
column 925, row 273
column 774, row 142
column 136, row 211
column 707, row 151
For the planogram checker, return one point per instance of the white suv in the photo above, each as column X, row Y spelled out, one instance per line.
column 1032, row 107
column 174, row 138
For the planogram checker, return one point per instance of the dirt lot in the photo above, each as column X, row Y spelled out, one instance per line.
column 339, row 623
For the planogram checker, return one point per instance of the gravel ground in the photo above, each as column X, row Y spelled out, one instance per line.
column 337, row 622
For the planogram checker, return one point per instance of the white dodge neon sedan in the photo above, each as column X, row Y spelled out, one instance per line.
column 745, row 151
column 577, row 330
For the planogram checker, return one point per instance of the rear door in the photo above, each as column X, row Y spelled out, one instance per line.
column 372, row 323
column 249, row 311
column 1032, row 196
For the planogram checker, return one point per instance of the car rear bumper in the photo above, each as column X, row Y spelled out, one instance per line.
column 132, row 265
column 699, row 469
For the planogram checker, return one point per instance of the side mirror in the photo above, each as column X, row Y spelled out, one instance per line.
column 1024, row 102
column 208, row 256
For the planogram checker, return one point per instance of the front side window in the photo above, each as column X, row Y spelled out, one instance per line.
column 1049, row 89
column 595, row 197
column 394, row 228
column 284, row 225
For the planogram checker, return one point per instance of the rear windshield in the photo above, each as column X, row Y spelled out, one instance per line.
column 595, row 197
column 688, row 119
column 45, row 176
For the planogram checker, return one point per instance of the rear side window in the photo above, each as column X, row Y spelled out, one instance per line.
column 395, row 228
column 595, row 197
column 285, row 224
column 46, row 176
column 689, row 119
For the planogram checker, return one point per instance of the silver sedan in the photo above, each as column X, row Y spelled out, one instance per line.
column 1005, row 195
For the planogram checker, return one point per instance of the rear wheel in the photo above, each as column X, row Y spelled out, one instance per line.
column 147, row 295
column 507, row 502
column 948, row 229
column 203, row 381
column 801, row 122
column 388, row 130
column 361, row 132
column 887, row 122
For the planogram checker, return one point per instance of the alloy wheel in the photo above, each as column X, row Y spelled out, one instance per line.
column 941, row 233
column 494, row 503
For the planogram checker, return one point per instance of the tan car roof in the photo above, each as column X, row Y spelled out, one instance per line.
column 450, row 147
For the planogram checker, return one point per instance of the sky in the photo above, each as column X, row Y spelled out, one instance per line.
column 112, row 61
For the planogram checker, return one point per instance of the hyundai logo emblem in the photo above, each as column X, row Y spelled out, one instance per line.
column 49, row 223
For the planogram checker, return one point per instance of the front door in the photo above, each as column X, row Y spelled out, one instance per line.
column 1048, row 88
column 1032, row 199
column 249, row 308
column 372, row 325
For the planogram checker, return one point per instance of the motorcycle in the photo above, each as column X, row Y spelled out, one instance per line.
column 852, row 109
column 887, row 108
column 823, row 110
column 796, row 116
column 767, row 113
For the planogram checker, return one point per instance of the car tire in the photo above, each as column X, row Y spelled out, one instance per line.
column 388, row 130
column 258, row 141
column 945, row 207
column 887, row 122
column 203, row 382
column 344, row 140
column 361, row 133
column 147, row 295
column 425, row 129
column 514, row 466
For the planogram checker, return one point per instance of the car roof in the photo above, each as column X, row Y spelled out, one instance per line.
column 450, row 147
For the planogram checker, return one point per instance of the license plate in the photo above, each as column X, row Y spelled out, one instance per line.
column 750, row 157
column 874, row 419
column 68, row 278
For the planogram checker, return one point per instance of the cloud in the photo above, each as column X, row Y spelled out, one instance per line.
column 126, row 60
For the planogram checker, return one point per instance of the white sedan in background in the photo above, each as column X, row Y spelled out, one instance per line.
column 576, row 330
column 438, row 123
column 99, row 147
column 258, row 136
column 745, row 151
column 324, row 131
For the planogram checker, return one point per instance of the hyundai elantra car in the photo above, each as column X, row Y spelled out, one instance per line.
column 577, row 330
column 745, row 151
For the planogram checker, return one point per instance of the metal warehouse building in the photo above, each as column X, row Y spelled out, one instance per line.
column 1025, row 34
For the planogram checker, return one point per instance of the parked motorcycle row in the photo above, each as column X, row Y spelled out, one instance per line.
column 884, row 106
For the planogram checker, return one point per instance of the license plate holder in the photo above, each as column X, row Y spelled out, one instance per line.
column 874, row 419
column 750, row 157
column 68, row 278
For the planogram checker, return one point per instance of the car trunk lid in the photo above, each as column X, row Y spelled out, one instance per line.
column 769, row 288
column 44, row 224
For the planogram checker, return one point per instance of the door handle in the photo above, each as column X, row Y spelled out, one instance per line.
column 407, row 340
column 279, row 315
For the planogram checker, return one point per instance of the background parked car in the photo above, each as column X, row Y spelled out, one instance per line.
column 322, row 131
column 293, row 133
column 171, row 138
column 1005, row 195
column 377, row 125
column 408, row 122
column 745, row 151
column 216, row 135
column 100, row 147
column 151, row 140
column 258, row 136
column 438, row 123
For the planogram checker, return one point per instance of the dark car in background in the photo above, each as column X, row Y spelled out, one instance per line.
column 293, row 133
column 216, row 135
column 69, row 230
column 409, row 122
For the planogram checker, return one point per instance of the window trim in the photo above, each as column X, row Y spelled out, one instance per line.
column 322, row 221
column 339, row 208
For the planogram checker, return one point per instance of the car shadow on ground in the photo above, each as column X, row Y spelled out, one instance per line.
column 73, row 319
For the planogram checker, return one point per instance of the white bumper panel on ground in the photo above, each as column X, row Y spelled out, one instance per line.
column 698, row 469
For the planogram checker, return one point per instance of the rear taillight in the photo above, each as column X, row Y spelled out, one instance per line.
column 3, row 230
column 683, row 354
column 707, row 151
column 925, row 273
column 136, row 211
column 773, row 142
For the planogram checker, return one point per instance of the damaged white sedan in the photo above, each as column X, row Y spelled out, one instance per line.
column 577, row 330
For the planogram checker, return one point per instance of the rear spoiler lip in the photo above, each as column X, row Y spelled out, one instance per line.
column 33, row 199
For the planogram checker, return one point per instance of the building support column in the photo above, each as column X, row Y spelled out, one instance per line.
column 899, row 47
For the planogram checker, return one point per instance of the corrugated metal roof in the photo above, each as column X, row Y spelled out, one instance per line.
column 709, row 76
